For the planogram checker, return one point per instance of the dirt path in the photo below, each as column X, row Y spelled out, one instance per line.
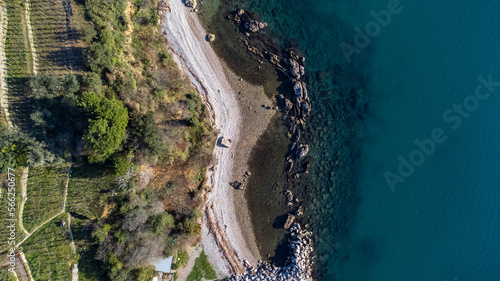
column 72, row 243
column 4, row 104
column 74, row 273
column 74, row 270
column 30, row 37
column 22, row 269
column 24, row 198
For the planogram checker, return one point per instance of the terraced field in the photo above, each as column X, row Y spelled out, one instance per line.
column 55, row 26
column 45, row 195
column 4, row 214
column 18, row 61
column 49, row 253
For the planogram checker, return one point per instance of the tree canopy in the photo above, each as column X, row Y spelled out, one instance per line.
column 107, row 125
column 19, row 149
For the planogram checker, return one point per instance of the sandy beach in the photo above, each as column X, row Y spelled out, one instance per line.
column 227, row 236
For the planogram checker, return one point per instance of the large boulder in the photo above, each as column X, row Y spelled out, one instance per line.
column 300, row 89
column 302, row 150
column 254, row 25
column 225, row 142
column 210, row 37
column 294, row 68
column 191, row 3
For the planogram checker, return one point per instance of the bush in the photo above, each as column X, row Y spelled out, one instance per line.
column 50, row 86
column 146, row 132
column 190, row 224
column 144, row 273
column 92, row 82
column 159, row 222
column 101, row 232
column 121, row 165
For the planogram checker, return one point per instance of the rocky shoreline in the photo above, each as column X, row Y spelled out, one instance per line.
column 299, row 265
column 296, row 107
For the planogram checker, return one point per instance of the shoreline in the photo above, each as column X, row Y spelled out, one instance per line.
column 227, row 233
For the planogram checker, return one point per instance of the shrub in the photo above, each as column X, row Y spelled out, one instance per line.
column 92, row 82
column 159, row 222
column 121, row 165
column 144, row 273
column 146, row 132
column 101, row 232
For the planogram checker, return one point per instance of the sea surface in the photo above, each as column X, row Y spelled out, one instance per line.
column 411, row 81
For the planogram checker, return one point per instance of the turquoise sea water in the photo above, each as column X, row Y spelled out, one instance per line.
column 442, row 222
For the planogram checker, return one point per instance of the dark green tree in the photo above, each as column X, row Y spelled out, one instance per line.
column 107, row 125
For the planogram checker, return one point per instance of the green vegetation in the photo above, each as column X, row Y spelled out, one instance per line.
column 45, row 192
column 48, row 252
column 19, row 149
column 107, row 125
column 56, row 30
column 181, row 259
column 109, row 99
column 89, row 269
column 5, row 275
column 89, row 189
column 202, row 269
column 18, row 61
column 5, row 216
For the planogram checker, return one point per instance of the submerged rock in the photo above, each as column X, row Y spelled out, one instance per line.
column 289, row 220
column 254, row 25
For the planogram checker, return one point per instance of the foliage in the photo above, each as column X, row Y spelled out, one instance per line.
column 19, row 149
column 45, row 191
column 100, row 233
column 190, row 223
column 53, row 265
column 121, row 165
column 147, row 134
column 181, row 260
column 159, row 222
column 92, row 82
column 144, row 273
column 6, row 275
column 107, row 125
column 49, row 86
column 202, row 270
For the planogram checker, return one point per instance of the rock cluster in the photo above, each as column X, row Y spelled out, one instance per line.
column 244, row 18
column 296, row 106
column 298, row 266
